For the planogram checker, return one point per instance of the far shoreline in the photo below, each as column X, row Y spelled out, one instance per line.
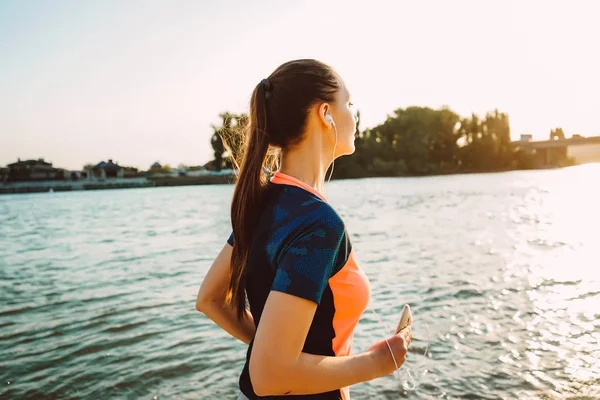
column 113, row 183
column 213, row 179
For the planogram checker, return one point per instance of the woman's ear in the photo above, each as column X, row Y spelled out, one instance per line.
column 324, row 111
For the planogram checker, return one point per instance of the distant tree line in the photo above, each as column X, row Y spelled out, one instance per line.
column 414, row 141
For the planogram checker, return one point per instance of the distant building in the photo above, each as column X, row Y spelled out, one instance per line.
column 584, row 150
column 33, row 170
column 104, row 170
column 130, row 172
column 77, row 175
column 576, row 150
column 3, row 174
column 526, row 137
column 158, row 170
column 197, row 170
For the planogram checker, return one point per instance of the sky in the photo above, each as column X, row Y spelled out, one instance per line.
column 141, row 81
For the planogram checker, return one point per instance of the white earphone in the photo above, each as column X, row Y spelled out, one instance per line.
column 329, row 119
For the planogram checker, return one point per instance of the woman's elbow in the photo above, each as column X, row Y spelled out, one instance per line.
column 268, row 378
column 207, row 299
column 203, row 303
column 200, row 304
column 262, row 384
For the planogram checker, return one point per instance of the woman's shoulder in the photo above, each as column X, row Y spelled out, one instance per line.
column 293, row 203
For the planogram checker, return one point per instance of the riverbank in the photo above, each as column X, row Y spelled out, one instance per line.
column 117, row 183
column 212, row 179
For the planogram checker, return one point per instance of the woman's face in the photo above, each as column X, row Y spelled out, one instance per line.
column 345, row 121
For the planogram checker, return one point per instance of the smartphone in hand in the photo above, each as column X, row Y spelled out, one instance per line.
column 405, row 319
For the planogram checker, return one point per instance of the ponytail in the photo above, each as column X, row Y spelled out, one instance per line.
column 248, row 194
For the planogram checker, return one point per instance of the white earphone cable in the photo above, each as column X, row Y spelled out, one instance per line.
column 334, row 149
column 412, row 380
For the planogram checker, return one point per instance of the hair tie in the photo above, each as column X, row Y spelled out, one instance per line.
column 265, row 82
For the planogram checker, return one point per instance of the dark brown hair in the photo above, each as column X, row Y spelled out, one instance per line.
column 278, row 113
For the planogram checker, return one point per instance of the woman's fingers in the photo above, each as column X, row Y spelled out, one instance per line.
column 398, row 344
column 406, row 333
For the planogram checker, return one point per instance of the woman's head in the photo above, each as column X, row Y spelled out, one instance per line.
column 287, row 110
column 295, row 100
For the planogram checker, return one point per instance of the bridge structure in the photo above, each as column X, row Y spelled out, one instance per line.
column 547, row 153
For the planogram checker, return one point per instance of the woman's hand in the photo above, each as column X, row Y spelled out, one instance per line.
column 399, row 345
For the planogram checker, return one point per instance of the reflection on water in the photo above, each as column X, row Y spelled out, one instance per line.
column 98, row 288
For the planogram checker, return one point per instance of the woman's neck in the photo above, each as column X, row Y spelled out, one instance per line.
column 307, row 163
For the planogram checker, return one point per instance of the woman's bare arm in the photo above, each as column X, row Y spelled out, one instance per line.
column 211, row 299
column 278, row 366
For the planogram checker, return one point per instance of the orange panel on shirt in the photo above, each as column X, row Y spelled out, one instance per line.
column 351, row 294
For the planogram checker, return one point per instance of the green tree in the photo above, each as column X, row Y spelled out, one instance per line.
column 417, row 141
column 487, row 143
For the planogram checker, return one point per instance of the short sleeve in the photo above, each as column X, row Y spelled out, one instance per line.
column 230, row 240
column 305, row 265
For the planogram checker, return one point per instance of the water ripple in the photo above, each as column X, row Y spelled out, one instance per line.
column 98, row 288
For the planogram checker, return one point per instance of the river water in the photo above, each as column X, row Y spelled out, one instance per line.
column 502, row 271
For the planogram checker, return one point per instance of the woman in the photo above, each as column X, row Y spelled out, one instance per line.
column 292, row 257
